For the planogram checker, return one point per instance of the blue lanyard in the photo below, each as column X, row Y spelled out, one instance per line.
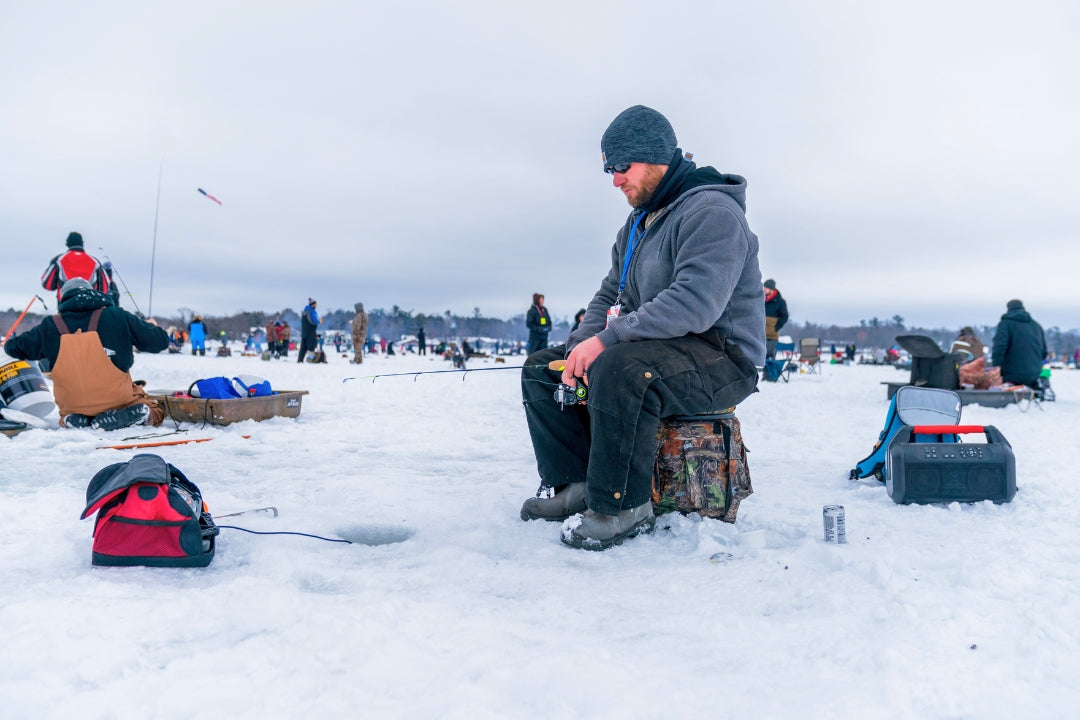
column 631, row 245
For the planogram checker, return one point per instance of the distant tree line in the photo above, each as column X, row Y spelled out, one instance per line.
column 875, row 333
column 397, row 322
column 391, row 324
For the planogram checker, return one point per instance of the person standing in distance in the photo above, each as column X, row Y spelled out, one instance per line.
column 77, row 263
column 309, row 323
column 578, row 316
column 197, row 334
column 359, row 333
column 538, row 322
column 676, row 328
column 776, row 316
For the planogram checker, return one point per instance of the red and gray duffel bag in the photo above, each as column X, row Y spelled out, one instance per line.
column 149, row 514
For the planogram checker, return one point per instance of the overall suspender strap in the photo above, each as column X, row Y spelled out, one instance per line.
column 63, row 328
column 94, row 317
column 60, row 324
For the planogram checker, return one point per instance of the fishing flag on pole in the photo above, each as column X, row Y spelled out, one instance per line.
column 209, row 196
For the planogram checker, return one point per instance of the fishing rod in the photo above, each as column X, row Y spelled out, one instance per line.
column 463, row 371
column 151, row 436
column 112, row 267
column 162, row 443
column 153, row 251
column 28, row 306
column 564, row 394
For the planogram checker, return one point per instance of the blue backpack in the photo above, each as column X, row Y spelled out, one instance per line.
column 222, row 388
column 911, row 405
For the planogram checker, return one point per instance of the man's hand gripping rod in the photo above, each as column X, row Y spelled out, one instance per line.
column 566, row 394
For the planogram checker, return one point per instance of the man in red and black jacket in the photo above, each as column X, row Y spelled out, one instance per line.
column 776, row 316
column 76, row 263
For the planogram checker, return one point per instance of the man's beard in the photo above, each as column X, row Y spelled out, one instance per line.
column 649, row 184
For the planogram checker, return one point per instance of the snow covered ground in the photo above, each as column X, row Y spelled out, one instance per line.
column 961, row 611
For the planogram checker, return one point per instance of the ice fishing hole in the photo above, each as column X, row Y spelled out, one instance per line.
column 375, row 534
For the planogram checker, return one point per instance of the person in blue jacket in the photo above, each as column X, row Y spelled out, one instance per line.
column 197, row 333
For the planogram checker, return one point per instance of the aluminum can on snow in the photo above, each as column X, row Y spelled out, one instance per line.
column 833, row 516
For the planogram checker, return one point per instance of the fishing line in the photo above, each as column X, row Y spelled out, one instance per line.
column 464, row 372
column 153, row 435
column 112, row 265
column 286, row 532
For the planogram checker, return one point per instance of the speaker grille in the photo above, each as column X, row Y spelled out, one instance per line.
column 956, row 483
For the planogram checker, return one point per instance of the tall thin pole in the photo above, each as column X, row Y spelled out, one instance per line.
column 153, row 251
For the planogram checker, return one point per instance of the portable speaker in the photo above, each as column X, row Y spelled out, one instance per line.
column 943, row 472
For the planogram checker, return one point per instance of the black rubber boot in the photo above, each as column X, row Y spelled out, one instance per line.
column 568, row 501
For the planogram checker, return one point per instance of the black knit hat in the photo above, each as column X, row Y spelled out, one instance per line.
column 74, row 240
column 770, row 283
column 639, row 134
column 1014, row 305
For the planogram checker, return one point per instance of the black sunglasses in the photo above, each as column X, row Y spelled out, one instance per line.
column 612, row 168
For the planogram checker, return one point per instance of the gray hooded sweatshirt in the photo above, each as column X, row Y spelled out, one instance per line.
column 694, row 268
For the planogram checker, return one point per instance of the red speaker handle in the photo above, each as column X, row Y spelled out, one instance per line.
column 946, row 429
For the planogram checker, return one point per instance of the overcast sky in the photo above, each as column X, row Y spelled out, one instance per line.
column 915, row 159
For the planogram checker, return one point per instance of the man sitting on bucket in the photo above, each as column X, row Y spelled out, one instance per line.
column 676, row 328
column 89, row 346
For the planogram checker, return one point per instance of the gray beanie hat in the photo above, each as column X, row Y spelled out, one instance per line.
column 1014, row 305
column 74, row 284
column 639, row 134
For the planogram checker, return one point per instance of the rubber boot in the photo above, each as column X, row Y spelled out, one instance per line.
column 121, row 417
column 569, row 500
column 595, row 531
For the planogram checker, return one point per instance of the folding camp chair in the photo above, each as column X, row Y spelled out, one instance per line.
column 808, row 355
column 783, row 364
column 930, row 365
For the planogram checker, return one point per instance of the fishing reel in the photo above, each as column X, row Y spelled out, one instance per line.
column 567, row 395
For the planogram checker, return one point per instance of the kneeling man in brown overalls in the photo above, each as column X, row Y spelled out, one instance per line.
column 89, row 347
